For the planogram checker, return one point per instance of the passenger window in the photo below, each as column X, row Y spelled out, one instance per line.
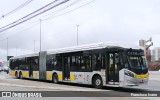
column 98, row 61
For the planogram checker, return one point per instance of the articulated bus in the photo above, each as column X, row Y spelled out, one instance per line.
column 98, row 65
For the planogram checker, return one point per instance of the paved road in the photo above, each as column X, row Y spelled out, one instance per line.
column 154, row 82
column 9, row 83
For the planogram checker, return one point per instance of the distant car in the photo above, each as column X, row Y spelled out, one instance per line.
column 0, row 69
column 6, row 69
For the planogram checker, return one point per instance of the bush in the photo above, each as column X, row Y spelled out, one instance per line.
column 157, row 68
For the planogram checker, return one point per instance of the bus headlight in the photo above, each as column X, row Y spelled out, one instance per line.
column 128, row 73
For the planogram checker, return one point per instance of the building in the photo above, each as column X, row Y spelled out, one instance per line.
column 1, row 62
column 156, row 54
column 148, row 55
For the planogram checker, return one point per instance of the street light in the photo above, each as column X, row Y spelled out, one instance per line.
column 40, row 33
column 16, row 51
column 77, row 34
column 7, row 51
column 34, row 44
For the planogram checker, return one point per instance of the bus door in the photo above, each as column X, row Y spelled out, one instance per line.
column 113, row 68
column 66, row 68
column 30, row 67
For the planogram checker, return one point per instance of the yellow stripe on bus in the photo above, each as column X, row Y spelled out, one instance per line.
column 132, row 57
column 25, row 74
column 60, row 76
column 12, row 73
column 142, row 76
column 72, row 77
column 143, row 56
column 49, row 75
column 34, row 75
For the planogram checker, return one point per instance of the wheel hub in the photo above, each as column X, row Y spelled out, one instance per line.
column 98, row 82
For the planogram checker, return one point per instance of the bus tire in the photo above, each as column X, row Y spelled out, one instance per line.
column 20, row 75
column 97, row 82
column 55, row 78
column 16, row 75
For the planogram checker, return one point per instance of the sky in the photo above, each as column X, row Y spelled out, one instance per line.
column 118, row 21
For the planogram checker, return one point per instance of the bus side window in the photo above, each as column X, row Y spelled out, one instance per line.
column 88, row 62
column 73, row 63
column 124, row 61
column 51, row 62
column 82, row 63
column 36, row 63
column 97, row 61
column 59, row 60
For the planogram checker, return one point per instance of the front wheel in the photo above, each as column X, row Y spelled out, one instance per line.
column 97, row 82
column 55, row 78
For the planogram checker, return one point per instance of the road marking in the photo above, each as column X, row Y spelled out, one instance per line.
column 53, row 87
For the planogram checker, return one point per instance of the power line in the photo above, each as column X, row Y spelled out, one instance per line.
column 16, row 9
column 33, row 14
column 28, row 15
column 68, row 11
column 30, row 26
column 52, row 17
column 58, row 11
column 20, row 31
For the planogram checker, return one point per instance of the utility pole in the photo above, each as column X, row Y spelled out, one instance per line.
column 40, row 33
column 34, row 44
column 77, row 34
column 7, row 51
column 16, row 51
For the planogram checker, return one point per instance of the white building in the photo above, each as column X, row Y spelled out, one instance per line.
column 156, row 54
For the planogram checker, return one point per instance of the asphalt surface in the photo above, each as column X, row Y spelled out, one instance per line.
column 85, row 92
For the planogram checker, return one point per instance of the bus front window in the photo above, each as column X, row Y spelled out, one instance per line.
column 137, row 62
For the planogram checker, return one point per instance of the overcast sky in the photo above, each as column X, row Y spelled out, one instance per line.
column 120, row 21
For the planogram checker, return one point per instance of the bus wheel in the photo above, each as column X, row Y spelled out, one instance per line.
column 20, row 75
column 17, row 75
column 97, row 82
column 55, row 78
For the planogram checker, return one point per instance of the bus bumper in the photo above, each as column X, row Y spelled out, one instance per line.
column 128, row 78
column 130, row 81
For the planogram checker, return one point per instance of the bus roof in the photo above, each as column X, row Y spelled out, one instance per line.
column 74, row 49
column 83, row 47
column 27, row 55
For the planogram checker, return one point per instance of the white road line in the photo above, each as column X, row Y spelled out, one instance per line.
column 53, row 87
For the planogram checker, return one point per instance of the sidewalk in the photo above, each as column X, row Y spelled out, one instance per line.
column 154, row 75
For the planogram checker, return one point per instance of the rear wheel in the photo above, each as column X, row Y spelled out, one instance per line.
column 55, row 78
column 16, row 75
column 97, row 82
column 20, row 75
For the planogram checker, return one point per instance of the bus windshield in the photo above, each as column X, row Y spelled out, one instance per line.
column 137, row 62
